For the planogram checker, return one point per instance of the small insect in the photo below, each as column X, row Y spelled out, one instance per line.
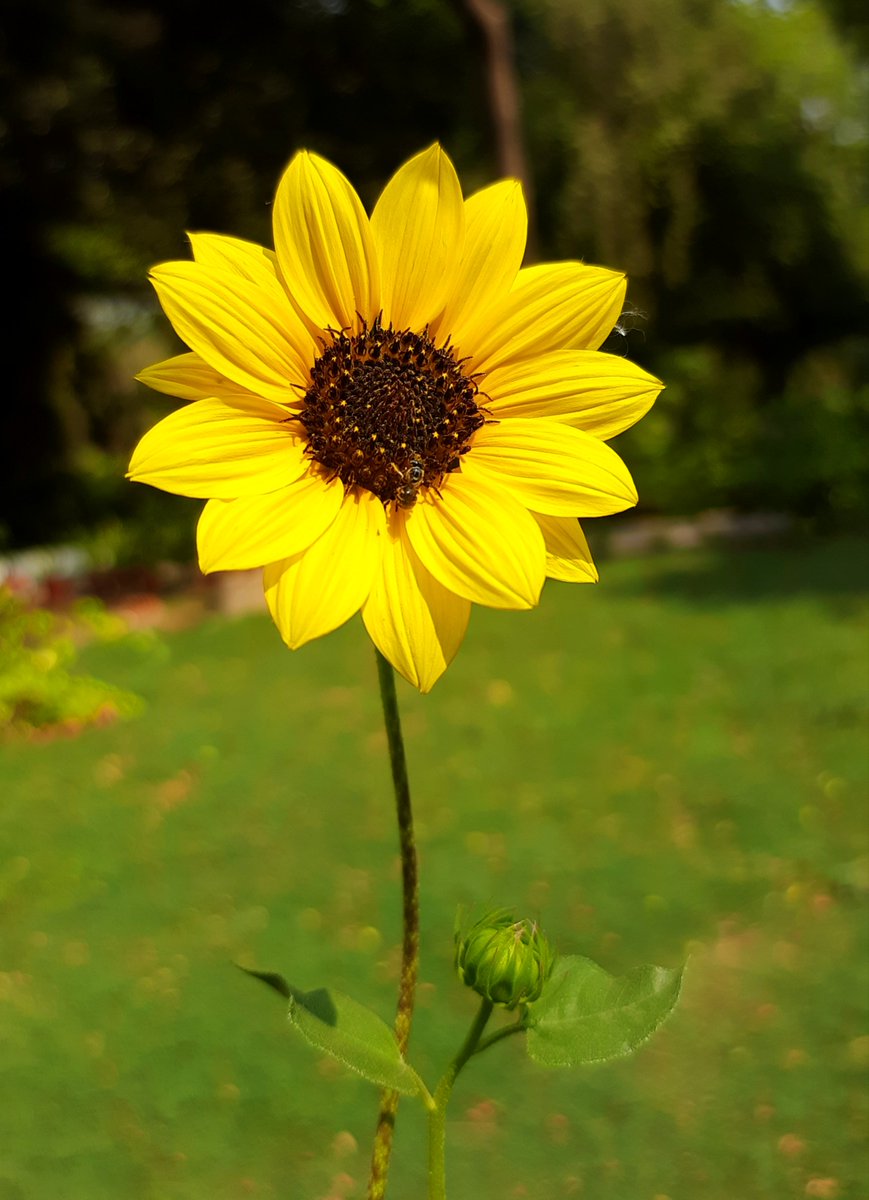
column 407, row 492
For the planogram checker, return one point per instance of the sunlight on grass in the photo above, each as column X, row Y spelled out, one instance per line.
column 674, row 763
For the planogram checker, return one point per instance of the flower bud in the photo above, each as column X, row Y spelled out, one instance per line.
column 504, row 960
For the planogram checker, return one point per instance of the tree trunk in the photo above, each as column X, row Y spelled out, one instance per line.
column 505, row 106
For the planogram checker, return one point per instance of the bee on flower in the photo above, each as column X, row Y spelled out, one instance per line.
column 407, row 493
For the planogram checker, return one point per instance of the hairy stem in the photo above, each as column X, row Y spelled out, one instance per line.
column 410, row 922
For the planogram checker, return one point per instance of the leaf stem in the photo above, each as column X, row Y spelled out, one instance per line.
column 437, row 1121
column 410, row 921
column 499, row 1034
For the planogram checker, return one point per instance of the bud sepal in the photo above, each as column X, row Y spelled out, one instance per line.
column 504, row 960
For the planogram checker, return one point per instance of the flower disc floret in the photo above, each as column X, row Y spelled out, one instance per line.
column 387, row 409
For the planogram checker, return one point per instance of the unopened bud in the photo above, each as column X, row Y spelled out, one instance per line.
column 504, row 960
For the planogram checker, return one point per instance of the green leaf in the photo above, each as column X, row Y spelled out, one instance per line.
column 588, row 1016
column 354, row 1035
column 271, row 979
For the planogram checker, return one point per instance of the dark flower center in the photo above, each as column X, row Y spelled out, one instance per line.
column 390, row 411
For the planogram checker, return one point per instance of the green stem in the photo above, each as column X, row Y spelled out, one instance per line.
column 437, row 1121
column 410, row 922
column 500, row 1034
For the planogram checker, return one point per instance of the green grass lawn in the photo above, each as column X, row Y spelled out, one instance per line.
column 672, row 763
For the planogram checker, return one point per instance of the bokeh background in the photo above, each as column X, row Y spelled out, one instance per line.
column 673, row 763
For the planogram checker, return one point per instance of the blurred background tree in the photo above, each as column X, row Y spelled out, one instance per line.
column 716, row 150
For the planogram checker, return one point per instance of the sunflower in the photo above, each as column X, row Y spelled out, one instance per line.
column 392, row 414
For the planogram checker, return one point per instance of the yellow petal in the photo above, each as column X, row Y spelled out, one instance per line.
column 550, row 307
column 320, row 588
column 248, row 332
column 551, row 468
column 260, row 267
column 247, row 259
column 214, row 450
column 600, row 393
column 252, row 531
column 479, row 541
column 567, row 554
column 496, row 226
column 413, row 620
column 418, row 228
column 189, row 377
column 324, row 245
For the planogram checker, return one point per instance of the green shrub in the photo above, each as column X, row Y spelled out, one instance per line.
column 38, row 688
column 716, row 438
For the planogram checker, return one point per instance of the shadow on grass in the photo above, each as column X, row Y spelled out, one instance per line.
column 836, row 572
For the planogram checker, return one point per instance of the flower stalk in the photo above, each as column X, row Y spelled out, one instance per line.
column 410, row 922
